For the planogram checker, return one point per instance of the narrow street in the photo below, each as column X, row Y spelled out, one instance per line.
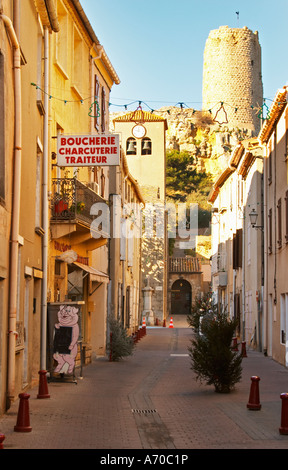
column 152, row 401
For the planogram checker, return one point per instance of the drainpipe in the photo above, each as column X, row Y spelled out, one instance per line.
column 45, row 204
column 15, row 211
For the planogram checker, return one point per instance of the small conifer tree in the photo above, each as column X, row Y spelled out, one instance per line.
column 120, row 344
column 212, row 357
column 202, row 305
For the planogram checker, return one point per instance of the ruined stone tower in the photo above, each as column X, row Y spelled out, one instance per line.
column 232, row 76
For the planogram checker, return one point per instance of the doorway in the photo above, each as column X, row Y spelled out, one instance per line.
column 181, row 295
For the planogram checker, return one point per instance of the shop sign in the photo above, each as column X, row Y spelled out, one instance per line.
column 88, row 150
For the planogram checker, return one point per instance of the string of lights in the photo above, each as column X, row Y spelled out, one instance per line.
column 262, row 111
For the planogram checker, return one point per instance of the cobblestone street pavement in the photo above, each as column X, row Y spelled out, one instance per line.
column 151, row 400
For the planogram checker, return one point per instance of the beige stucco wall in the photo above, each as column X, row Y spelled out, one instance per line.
column 276, row 271
column 6, row 143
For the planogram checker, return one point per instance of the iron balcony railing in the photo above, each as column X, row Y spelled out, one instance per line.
column 184, row 265
column 72, row 200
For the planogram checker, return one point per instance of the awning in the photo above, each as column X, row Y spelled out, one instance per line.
column 95, row 275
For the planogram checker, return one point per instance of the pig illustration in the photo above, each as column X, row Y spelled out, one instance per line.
column 66, row 334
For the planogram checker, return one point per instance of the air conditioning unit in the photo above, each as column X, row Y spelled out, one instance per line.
column 94, row 186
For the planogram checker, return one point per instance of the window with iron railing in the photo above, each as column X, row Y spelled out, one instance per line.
column 72, row 200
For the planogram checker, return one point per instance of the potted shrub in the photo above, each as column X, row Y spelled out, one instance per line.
column 212, row 357
column 120, row 344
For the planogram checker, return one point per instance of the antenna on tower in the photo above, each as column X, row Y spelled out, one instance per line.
column 237, row 13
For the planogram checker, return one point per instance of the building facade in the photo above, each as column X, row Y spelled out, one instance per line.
column 143, row 140
column 81, row 79
column 273, row 137
column 237, row 246
column 55, row 79
column 23, row 33
column 125, row 203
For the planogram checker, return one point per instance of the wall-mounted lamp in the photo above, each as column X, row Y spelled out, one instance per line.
column 253, row 219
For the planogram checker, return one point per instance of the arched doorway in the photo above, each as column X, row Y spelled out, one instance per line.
column 181, row 294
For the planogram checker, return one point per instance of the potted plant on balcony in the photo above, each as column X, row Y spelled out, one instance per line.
column 80, row 206
column 60, row 204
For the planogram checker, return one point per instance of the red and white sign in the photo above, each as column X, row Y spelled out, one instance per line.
column 88, row 150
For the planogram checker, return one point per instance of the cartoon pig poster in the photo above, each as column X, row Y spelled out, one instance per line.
column 66, row 334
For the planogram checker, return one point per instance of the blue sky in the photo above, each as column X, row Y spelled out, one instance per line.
column 157, row 46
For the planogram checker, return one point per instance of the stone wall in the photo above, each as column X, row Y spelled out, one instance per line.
column 232, row 76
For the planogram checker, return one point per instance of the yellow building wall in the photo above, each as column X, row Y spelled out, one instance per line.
column 148, row 170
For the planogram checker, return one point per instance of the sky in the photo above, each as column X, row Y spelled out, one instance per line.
column 156, row 46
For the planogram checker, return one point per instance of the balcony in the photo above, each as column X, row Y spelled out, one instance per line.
column 219, row 262
column 70, row 205
column 184, row 265
column 72, row 200
column 219, row 269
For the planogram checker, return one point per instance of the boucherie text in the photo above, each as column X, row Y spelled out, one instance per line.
column 88, row 150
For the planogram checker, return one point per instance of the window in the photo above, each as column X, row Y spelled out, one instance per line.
column 146, row 146
column 279, row 241
column 58, row 268
column 40, row 70
column 283, row 317
column 270, row 231
column 96, row 104
column 62, row 47
column 103, row 110
column 270, row 164
column 131, row 146
column 77, row 61
column 102, row 183
column 286, row 216
column 249, row 244
column 38, row 193
column 237, row 249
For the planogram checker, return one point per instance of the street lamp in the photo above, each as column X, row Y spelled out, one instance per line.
column 253, row 219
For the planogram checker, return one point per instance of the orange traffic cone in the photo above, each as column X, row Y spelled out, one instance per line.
column 171, row 323
column 144, row 322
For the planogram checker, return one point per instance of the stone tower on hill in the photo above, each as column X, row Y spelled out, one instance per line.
column 232, row 79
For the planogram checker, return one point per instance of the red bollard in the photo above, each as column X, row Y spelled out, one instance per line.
column 243, row 350
column 2, row 438
column 156, row 322
column 43, row 386
column 164, row 323
column 235, row 345
column 254, row 401
column 284, row 414
column 23, row 419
